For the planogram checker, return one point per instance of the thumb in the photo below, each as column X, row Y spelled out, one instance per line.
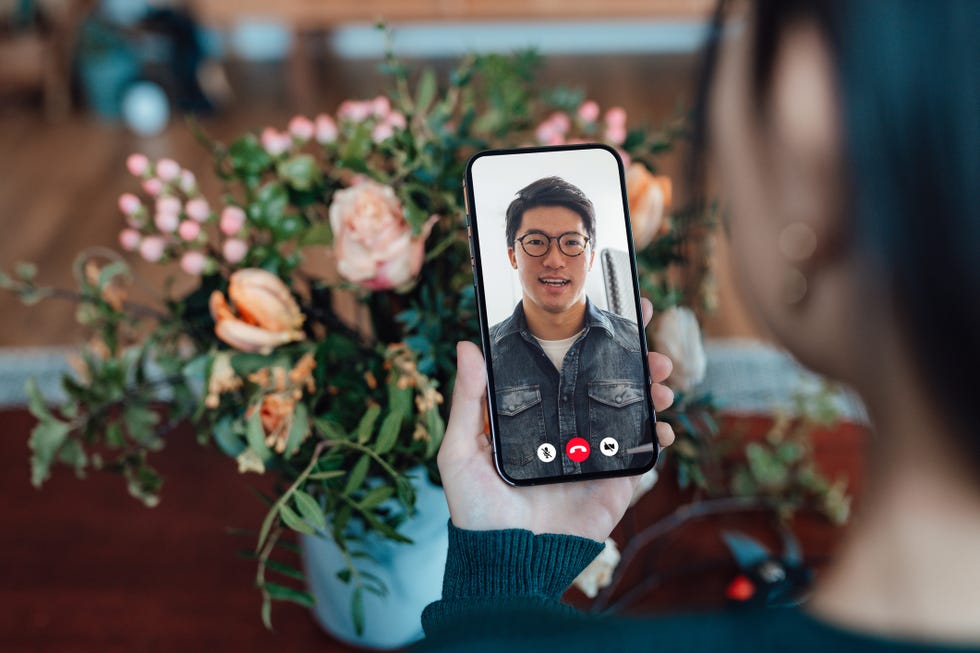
column 466, row 415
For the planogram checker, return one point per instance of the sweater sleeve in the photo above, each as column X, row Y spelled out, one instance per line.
column 496, row 571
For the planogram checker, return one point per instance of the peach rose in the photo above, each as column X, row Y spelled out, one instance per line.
column 649, row 198
column 373, row 242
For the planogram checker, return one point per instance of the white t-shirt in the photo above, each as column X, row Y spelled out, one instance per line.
column 555, row 350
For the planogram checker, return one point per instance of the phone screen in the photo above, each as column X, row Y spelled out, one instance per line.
column 555, row 272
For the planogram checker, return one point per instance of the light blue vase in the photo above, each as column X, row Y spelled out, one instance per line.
column 411, row 572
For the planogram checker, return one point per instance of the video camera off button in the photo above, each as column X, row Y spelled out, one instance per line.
column 609, row 447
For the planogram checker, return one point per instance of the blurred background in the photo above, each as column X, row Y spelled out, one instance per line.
column 84, row 83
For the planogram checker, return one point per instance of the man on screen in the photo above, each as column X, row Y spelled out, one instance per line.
column 568, row 376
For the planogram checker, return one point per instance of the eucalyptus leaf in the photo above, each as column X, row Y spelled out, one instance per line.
column 376, row 497
column 357, row 474
column 426, row 91
column 255, row 434
column 357, row 609
column 294, row 521
column 366, row 426
column 309, row 508
column 283, row 593
column 47, row 437
column 388, row 434
column 298, row 429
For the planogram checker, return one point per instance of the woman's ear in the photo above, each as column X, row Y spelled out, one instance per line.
column 804, row 147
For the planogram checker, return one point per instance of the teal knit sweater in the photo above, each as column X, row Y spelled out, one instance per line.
column 502, row 593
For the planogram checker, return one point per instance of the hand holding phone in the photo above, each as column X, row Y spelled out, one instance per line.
column 558, row 298
column 479, row 500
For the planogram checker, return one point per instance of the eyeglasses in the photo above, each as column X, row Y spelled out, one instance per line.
column 537, row 244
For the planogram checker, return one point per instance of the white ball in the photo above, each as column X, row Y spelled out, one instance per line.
column 145, row 108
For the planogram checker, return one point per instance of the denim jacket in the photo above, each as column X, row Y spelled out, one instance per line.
column 600, row 392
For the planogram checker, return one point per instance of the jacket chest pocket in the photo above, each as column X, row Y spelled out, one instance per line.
column 616, row 409
column 520, row 415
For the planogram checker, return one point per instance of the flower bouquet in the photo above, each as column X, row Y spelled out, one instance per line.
column 361, row 209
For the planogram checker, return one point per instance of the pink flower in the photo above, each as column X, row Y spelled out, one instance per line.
column 275, row 142
column 137, row 164
column 188, row 182
column 169, row 204
column 193, row 263
column 616, row 117
column 189, row 230
column 382, row 131
column 615, row 134
column 354, row 111
column 152, row 186
column 301, row 128
column 326, row 129
column 234, row 250
column 198, row 209
column 372, row 240
column 560, row 121
column 546, row 132
column 129, row 239
column 588, row 111
column 168, row 169
column 380, row 106
column 396, row 119
column 166, row 222
column 129, row 204
column 152, row 247
column 232, row 219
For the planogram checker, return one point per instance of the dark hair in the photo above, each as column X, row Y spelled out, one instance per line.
column 549, row 191
column 909, row 99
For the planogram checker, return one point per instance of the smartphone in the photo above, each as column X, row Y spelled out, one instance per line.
column 559, row 308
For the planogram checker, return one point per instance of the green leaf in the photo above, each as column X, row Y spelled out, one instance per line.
column 248, row 157
column 283, row 593
column 309, row 508
column 344, row 575
column 267, row 611
column 437, row 428
column 270, row 204
column 357, row 149
column 426, row 91
column 357, row 474
column 73, row 454
column 45, row 441
column 298, row 430
column 319, row 233
column 35, row 400
column 376, row 497
column 388, row 434
column 5, row 281
column 357, row 609
column 284, row 569
column 400, row 400
column 366, row 426
column 300, row 171
column 294, row 521
column 332, row 430
column 111, row 270
column 323, row 476
column 141, row 421
column 226, row 438
column 255, row 434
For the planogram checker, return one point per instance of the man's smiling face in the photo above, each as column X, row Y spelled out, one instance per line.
column 554, row 282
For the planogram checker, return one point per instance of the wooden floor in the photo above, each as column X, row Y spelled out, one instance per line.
column 59, row 181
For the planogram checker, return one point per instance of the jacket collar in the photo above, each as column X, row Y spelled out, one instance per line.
column 517, row 322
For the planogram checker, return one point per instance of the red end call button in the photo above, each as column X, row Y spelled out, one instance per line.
column 577, row 449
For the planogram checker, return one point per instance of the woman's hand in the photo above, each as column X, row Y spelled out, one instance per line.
column 480, row 500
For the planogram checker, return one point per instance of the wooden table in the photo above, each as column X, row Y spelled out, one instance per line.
column 87, row 568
